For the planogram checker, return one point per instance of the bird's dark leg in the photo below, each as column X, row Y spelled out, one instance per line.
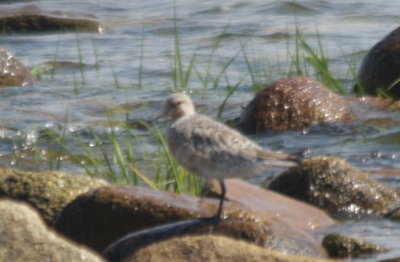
column 222, row 197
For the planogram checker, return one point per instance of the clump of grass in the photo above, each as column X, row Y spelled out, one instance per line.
column 141, row 56
column 305, row 59
column 256, row 78
column 175, row 178
column 115, row 76
column 180, row 75
column 80, row 59
column 113, row 156
column 319, row 61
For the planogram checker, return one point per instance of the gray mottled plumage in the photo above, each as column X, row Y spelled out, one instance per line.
column 211, row 149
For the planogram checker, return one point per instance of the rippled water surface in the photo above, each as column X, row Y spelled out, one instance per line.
column 130, row 65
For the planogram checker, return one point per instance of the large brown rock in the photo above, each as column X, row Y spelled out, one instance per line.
column 212, row 248
column 293, row 103
column 104, row 215
column 273, row 206
column 24, row 237
column 380, row 68
column 47, row 191
column 31, row 23
column 12, row 71
column 335, row 186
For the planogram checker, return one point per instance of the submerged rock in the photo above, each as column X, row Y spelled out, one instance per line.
column 211, row 248
column 293, row 103
column 24, row 237
column 47, row 191
column 59, row 67
column 12, row 71
column 31, row 23
column 395, row 259
column 339, row 246
column 335, row 186
column 380, row 68
column 104, row 215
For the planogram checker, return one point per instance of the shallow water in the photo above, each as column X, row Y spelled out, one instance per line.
column 136, row 53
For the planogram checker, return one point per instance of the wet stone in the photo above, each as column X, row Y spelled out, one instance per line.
column 395, row 107
column 380, row 68
column 272, row 205
column 106, row 214
column 339, row 246
column 293, row 104
column 376, row 110
column 33, row 23
column 12, row 71
column 25, row 237
column 336, row 187
column 47, row 191
column 212, row 248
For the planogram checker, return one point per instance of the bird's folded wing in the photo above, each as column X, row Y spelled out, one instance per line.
column 213, row 139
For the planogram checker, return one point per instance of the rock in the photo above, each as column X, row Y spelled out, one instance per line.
column 211, row 248
column 370, row 107
column 13, row 72
column 339, row 246
column 31, row 23
column 373, row 111
column 61, row 67
column 106, row 214
column 272, row 205
column 380, row 68
column 293, row 104
column 381, row 123
column 335, row 186
column 395, row 259
column 361, row 105
column 395, row 107
column 24, row 237
column 47, row 191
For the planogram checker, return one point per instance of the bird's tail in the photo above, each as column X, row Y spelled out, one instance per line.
column 277, row 159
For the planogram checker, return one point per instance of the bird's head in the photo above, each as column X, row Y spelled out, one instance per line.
column 178, row 105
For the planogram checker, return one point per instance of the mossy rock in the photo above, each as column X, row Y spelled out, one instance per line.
column 339, row 246
column 47, row 191
column 34, row 23
column 293, row 104
column 336, row 187
column 213, row 248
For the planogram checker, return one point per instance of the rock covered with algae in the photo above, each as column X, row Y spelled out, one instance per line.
column 212, row 248
column 12, row 71
column 335, row 186
column 293, row 104
column 339, row 246
column 36, row 22
column 47, row 191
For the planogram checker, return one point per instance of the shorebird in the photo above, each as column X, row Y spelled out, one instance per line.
column 213, row 150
